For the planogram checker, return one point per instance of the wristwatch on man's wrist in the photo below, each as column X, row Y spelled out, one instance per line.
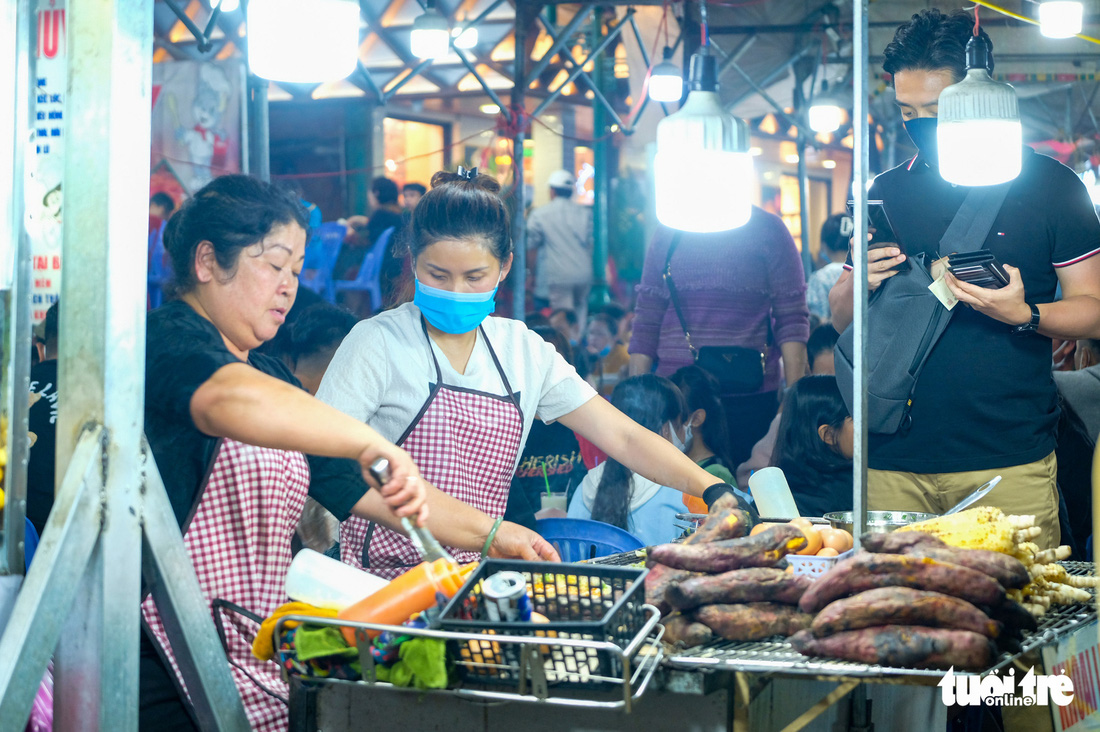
column 1032, row 325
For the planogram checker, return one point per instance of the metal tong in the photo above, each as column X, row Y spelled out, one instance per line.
column 429, row 547
column 973, row 497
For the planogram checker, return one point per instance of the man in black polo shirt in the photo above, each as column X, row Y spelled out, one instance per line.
column 985, row 403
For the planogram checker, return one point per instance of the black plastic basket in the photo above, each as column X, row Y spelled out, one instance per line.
column 581, row 602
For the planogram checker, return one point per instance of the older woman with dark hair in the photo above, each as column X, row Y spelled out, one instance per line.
column 240, row 444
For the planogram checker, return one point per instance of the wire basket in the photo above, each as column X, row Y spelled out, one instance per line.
column 813, row 566
column 583, row 602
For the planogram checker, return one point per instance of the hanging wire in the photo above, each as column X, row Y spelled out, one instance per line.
column 977, row 23
column 1025, row 19
column 636, row 109
column 703, row 30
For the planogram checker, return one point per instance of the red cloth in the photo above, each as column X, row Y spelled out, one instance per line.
column 591, row 454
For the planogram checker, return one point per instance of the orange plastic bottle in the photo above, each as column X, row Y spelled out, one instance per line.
column 695, row 504
column 405, row 595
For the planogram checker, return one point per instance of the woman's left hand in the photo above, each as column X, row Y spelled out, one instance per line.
column 404, row 492
column 513, row 541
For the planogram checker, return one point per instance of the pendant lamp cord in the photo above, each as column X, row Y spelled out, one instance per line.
column 704, row 32
column 977, row 23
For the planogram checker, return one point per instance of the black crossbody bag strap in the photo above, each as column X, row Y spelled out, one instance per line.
column 674, row 297
column 974, row 220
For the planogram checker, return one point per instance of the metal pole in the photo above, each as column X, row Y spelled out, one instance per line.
column 110, row 44
column 601, row 180
column 804, row 207
column 525, row 15
column 17, row 24
column 860, row 77
column 259, row 132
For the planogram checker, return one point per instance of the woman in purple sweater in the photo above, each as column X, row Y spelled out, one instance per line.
column 743, row 287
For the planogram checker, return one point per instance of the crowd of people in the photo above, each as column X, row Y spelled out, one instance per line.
column 265, row 402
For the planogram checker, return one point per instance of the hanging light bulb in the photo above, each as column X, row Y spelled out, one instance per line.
column 979, row 132
column 303, row 41
column 1060, row 18
column 465, row 39
column 826, row 112
column 431, row 38
column 666, row 83
column 703, row 168
column 228, row 6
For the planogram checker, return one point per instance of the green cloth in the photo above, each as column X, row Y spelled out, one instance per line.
column 718, row 470
column 423, row 664
column 313, row 641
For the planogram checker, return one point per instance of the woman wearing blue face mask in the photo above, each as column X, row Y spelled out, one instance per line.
column 609, row 359
column 459, row 390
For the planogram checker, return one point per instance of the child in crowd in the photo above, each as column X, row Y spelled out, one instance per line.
column 706, row 435
column 814, row 446
column 307, row 348
column 612, row 493
column 819, row 350
column 551, row 460
column 608, row 357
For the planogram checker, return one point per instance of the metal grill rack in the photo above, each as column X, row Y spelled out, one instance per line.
column 776, row 655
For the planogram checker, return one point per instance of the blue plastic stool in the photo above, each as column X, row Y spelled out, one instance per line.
column 577, row 539
column 321, row 254
column 369, row 277
column 30, row 543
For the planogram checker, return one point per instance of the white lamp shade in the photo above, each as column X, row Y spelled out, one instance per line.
column 665, row 83
column 978, row 131
column 1060, row 18
column 466, row 39
column 228, row 6
column 980, row 152
column 303, row 40
column 825, row 117
column 430, row 37
column 703, row 168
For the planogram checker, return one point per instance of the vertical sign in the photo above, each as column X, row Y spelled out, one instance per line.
column 46, row 165
column 1078, row 657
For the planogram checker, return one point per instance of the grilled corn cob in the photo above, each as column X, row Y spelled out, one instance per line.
column 984, row 527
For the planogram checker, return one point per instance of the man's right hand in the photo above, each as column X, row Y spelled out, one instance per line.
column 880, row 265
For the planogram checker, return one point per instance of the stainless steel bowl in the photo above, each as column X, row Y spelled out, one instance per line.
column 878, row 522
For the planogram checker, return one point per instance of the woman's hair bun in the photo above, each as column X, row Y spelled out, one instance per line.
column 482, row 181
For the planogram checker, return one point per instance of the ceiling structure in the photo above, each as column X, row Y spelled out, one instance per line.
column 766, row 48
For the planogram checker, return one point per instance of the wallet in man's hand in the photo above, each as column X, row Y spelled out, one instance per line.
column 979, row 268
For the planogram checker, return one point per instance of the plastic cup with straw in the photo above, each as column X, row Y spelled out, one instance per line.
column 551, row 499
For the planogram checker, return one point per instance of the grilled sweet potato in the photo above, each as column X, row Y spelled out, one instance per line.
column 759, row 584
column 1009, row 571
column 867, row 571
column 902, row 606
column 724, row 521
column 657, row 582
column 753, row 620
column 680, row 630
column 896, row 542
column 1014, row 617
column 762, row 550
column 901, row 645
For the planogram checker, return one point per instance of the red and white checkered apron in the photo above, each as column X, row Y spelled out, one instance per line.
column 239, row 544
column 465, row 443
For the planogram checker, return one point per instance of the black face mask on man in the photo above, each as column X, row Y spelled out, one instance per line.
column 922, row 131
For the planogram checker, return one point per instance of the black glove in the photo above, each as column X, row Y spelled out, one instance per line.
column 716, row 491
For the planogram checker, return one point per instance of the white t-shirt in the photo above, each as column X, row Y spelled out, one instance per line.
column 382, row 372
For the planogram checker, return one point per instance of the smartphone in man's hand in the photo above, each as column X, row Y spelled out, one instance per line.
column 881, row 230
